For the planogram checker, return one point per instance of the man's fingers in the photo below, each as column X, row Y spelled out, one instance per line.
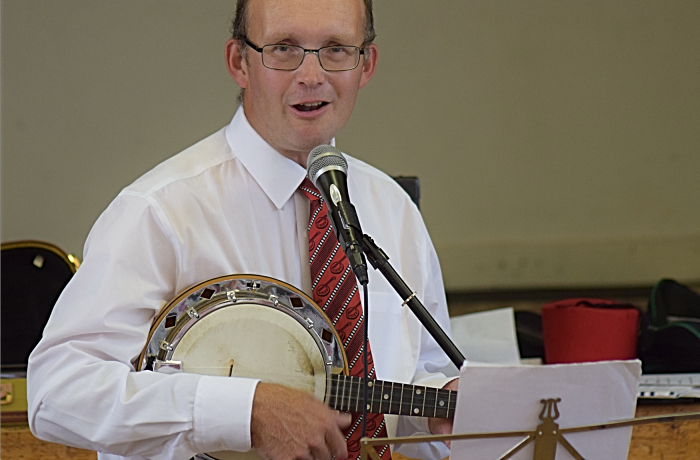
column 322, row 451
column 344, row 420
column 441, row 425
column 287, row 423
column 336, row 442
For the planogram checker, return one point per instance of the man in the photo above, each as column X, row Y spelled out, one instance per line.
column 232, row 204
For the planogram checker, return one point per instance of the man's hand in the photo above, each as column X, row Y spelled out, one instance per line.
column 288, row 424
column 443, row 425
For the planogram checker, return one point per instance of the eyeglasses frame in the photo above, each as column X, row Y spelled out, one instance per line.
column 306, row 51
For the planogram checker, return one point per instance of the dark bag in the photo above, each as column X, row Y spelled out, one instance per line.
column 671, row 339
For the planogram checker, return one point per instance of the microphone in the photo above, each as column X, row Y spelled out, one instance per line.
column 327, row 170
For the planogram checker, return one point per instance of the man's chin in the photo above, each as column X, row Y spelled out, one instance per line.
column 307, row 148
column 310, row 140
column 304, row 136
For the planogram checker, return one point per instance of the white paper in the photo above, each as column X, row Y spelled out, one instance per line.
column 507, row 398
column 487, row 336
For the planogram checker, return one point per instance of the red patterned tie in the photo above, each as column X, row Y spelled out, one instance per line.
column 335, row 290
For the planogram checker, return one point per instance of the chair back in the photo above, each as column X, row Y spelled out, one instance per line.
column 411, row 184
column 33, row 275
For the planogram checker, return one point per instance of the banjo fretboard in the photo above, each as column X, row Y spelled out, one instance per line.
column 391, row 398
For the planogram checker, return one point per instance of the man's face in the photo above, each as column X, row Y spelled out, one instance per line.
column 297, row 110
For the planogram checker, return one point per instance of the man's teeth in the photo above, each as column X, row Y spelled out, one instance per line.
column 310, row 106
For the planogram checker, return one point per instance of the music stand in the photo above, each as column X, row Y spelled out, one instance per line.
column 548, row 407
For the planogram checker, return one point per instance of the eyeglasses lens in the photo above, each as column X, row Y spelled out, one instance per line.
column 290, row 57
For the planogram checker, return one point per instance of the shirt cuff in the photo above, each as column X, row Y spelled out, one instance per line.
column 222, row 411
column 433, row 380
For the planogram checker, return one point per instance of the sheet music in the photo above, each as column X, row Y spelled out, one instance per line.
column 508, row 398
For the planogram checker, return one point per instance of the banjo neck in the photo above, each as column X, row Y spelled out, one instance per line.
column 391, row 398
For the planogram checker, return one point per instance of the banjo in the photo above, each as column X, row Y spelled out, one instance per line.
column 259, row 327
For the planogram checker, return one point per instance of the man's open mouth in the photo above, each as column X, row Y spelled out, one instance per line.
column 310, row 106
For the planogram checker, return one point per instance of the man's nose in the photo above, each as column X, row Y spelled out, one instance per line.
column 310, row 71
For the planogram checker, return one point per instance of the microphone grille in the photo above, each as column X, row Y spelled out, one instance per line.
column 322, row 156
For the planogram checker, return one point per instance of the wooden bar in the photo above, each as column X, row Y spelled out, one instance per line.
column 658, row 441
column 18, row 442
column 666, row 441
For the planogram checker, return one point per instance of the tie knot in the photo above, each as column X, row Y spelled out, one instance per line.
column 309, row 190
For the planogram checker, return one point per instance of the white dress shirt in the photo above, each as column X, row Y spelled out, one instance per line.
column 227, row 205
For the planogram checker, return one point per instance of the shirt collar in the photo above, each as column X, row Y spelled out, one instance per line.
column 278, row 176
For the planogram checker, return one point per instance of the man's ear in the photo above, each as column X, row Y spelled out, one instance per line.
column 370, row 63
column 236, row 63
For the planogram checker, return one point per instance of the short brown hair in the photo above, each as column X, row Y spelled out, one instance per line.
column 239, row 25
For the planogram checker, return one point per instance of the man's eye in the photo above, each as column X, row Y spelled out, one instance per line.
column 280, row 48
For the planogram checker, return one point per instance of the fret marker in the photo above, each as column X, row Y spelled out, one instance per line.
column 386, row 396
column 370, row 384
column 418, row 392
column 368, row 407
column 442, row 403
column 416, row 411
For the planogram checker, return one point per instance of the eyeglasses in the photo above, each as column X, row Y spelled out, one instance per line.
column 334, row 58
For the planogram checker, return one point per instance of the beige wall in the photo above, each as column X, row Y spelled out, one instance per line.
column 557, row 141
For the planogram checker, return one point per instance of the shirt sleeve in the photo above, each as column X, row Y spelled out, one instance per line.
column 83, row 389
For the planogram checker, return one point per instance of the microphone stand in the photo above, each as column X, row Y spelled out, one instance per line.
column 380, row 261
column 365, row 347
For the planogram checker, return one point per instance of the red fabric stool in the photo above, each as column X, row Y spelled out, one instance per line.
column 580, row 330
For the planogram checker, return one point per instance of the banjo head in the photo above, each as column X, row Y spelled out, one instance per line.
column 246, row 326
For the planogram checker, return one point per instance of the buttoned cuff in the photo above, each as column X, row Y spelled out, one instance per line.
column 222, row 411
